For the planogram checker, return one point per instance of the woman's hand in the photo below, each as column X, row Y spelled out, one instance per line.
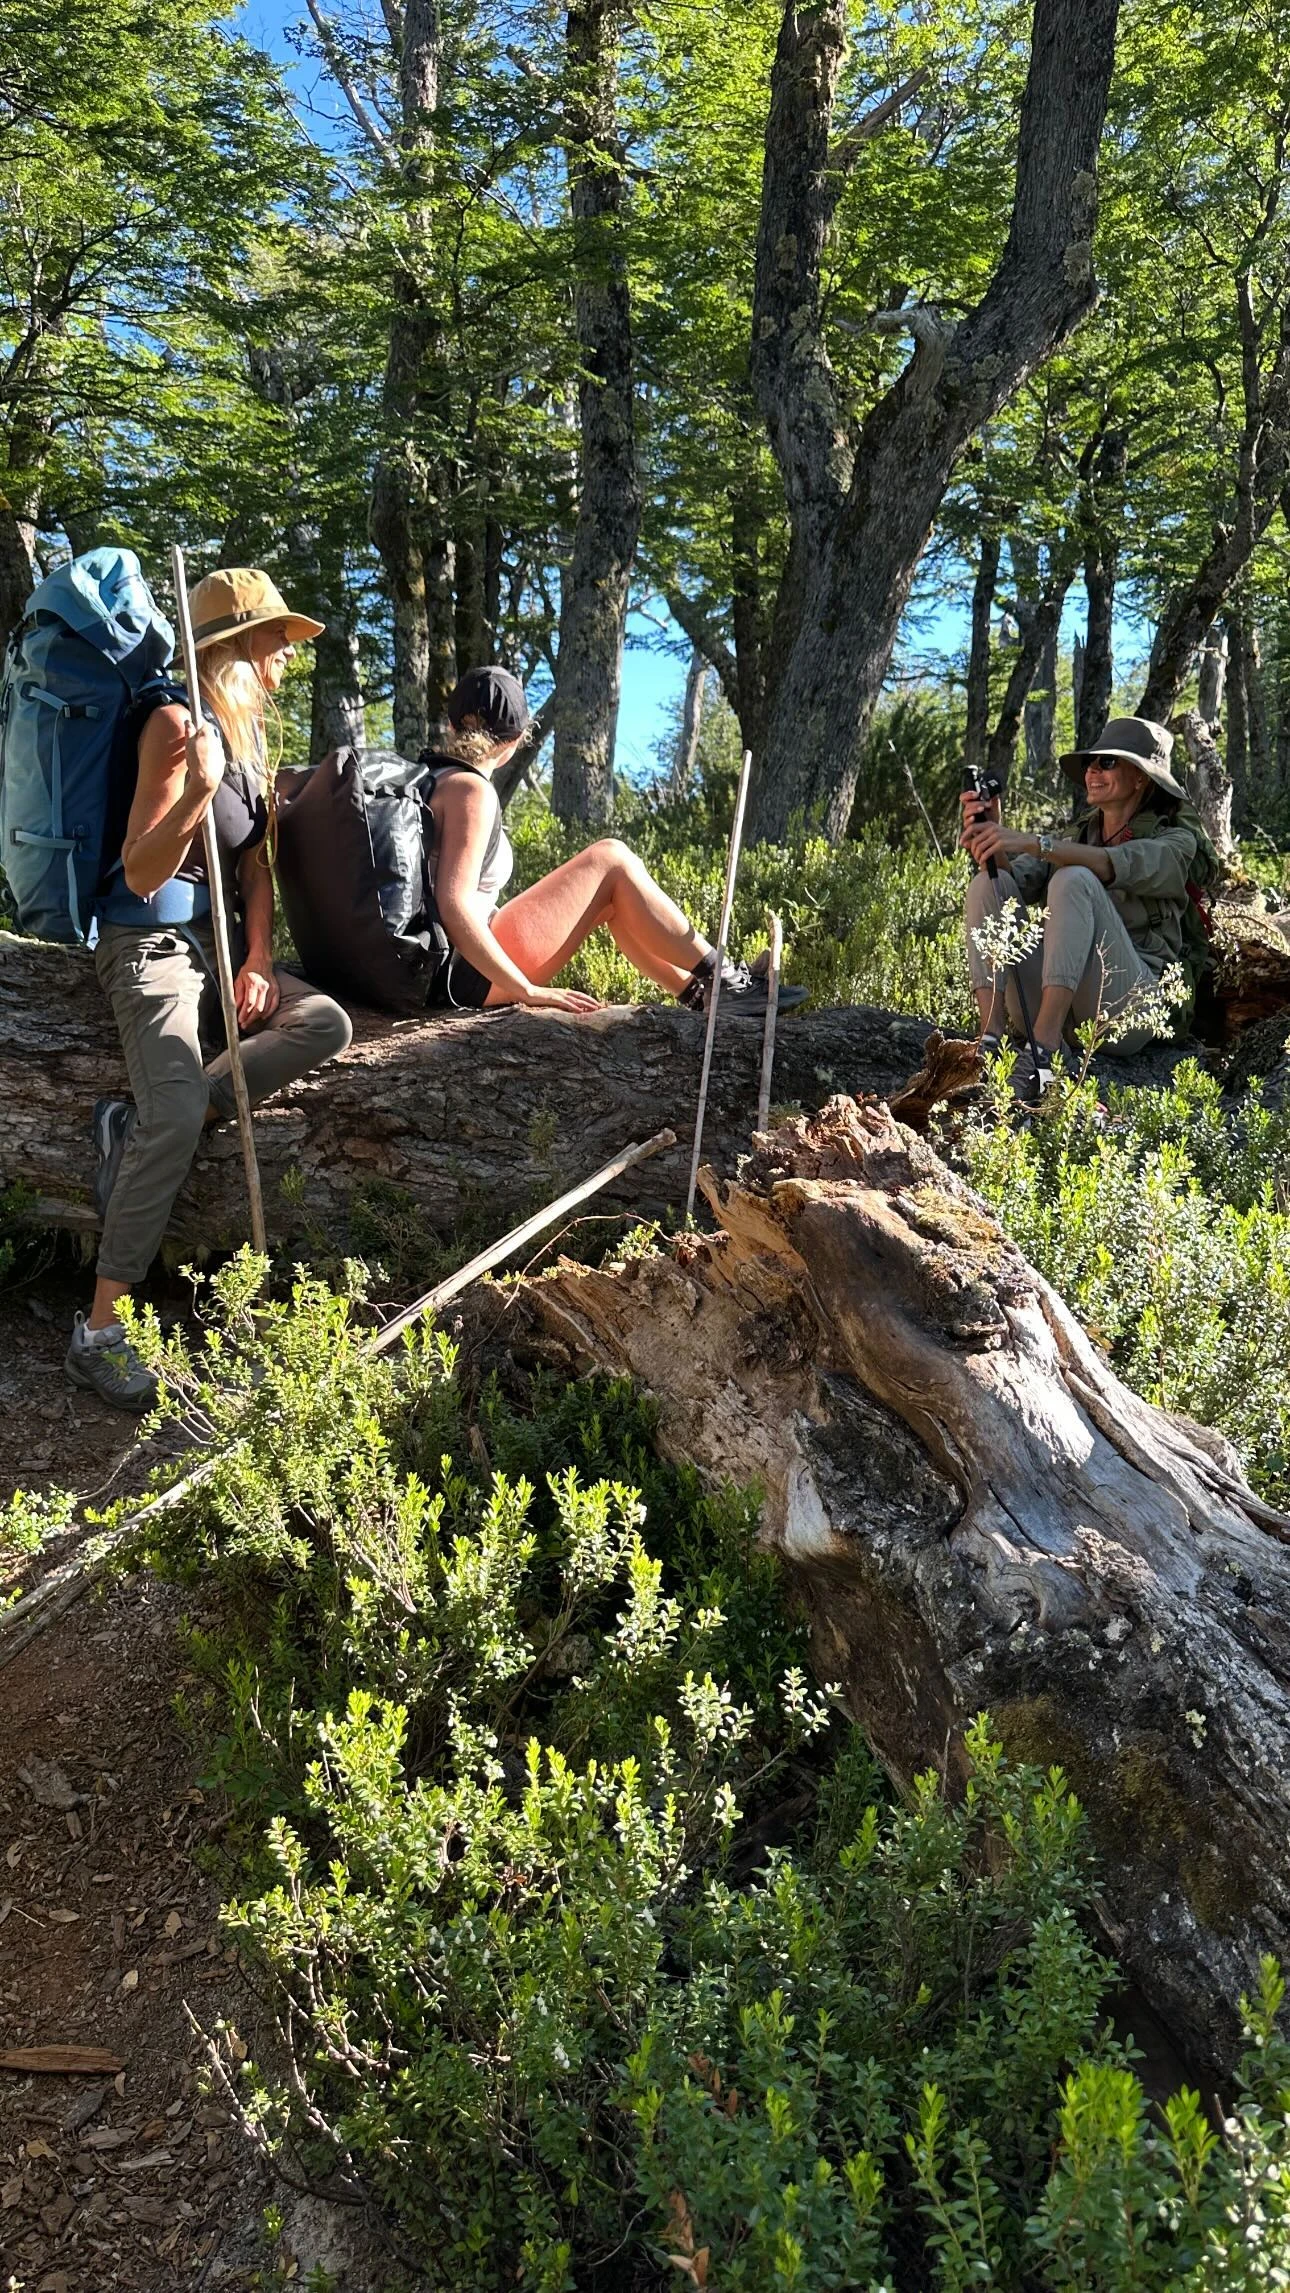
column 561, row 999
column 974, row 807
column 204, row 763
column 256, row 993
column 988, row 840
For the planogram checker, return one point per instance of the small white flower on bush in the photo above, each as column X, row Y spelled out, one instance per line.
column 1008, row 937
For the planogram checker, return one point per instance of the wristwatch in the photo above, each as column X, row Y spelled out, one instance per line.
column 1046, row 843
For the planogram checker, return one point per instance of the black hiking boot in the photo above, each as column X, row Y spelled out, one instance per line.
column 745, row 990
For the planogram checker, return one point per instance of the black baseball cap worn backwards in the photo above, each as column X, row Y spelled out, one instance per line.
column 495, row 697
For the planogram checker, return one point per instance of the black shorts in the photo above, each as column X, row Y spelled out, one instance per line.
column 457, row 986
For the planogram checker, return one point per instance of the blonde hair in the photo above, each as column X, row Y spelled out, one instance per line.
column 472, row 745
column 230, row 682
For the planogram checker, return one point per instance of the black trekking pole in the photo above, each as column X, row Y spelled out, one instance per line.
column 986, row 786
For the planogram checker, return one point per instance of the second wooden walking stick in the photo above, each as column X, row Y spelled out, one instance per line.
column 219, row 923
column 714, row 990
column 773, row 962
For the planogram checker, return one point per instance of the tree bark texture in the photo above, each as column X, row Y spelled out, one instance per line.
column 1262, row 466
column 977, row 728
column 1212, row 677
column 1038, row 621
column 1211, row 790
column 1238, row 726
column 979, row 1515
column 686, row 753
column 594, row 588
column 861, row 507
column 476, row 1118
column 1101, row 510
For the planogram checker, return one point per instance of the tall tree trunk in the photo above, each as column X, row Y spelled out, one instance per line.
column 1212, row 676
column 472, row 624
column 1101, row 508
column 1263, row 460
column 18, row 569
column 1039, row 717
column 596, row 583
column 1256, row 716
column 399, row 521
column 1037, row 646
column 337, row 715
column 976, row 730
column 1093, row 703
column 1209, row 785
column 687, row 739
column 1238, row 725
column 861, row 508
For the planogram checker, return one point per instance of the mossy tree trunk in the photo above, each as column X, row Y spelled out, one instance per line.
column 980, row 1515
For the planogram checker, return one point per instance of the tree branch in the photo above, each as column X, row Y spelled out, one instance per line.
column 847, row 150
column 340, row 72
column 705, row 639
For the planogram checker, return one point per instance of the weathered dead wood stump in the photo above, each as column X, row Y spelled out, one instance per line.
column 979, row 1514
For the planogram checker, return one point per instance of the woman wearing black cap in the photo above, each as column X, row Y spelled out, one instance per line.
column 511, row 954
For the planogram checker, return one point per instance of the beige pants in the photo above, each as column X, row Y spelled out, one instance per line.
column 1086, row 947
column 157, row 984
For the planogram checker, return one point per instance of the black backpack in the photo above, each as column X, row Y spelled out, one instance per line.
column 351, row 866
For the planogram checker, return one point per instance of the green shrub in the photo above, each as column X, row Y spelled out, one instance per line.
column 521, row 1706
column 1163, row 1219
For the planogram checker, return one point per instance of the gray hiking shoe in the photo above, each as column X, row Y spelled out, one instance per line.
column 105, row 1363
column 110, row 1126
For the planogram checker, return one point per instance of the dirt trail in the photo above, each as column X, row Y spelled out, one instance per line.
column 108, row 1896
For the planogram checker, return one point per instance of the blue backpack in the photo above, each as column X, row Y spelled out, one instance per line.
column 90, row 649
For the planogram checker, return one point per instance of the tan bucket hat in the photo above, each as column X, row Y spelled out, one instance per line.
column 237, row 597
column 1137, row 741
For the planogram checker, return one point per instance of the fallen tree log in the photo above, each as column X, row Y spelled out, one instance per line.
column 475, row 1118
column 980, row 1515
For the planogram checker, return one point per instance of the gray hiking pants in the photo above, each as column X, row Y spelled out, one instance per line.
column 157, row 985
column 1086, row 947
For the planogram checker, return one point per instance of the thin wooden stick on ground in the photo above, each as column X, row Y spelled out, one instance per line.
column 497, row 1251
column 774, row 960
column 59, row 1591
column 714, row 989
column 219, row 924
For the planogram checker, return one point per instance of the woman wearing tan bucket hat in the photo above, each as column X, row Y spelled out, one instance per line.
column 1114, row 891
column 155, row 954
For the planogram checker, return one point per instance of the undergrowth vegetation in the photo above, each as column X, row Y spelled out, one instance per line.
column 599, row 1954
column 1163, row 1217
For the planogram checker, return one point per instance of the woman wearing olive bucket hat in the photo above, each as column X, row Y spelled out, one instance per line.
column 1114, row 889
column 155, row 953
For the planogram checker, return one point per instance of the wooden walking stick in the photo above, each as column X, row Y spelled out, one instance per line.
column 768, row 1033
column 732, row 863
column 219, row 924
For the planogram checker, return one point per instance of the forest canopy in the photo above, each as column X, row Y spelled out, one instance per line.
column 743, row 317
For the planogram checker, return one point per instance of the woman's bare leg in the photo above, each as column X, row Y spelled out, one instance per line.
column 543, row 927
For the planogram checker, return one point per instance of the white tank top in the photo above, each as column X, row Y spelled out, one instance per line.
column 498, row 864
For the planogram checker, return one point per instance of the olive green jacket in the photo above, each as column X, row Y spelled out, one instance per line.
column 1150, row 873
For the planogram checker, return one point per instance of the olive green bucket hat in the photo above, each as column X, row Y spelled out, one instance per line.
column 1136, row 740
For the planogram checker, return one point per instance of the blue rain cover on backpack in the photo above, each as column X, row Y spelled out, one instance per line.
column 91, row 640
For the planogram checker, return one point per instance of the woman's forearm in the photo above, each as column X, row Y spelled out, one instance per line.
column 1071, row 855
column 256, row 885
